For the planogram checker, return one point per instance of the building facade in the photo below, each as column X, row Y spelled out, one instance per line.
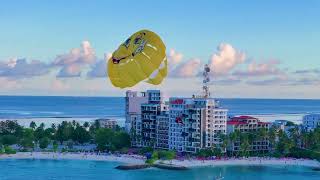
column 147, row 115
column 133, row 103
column 153, row 117
column 195, row 123
column 311, row 121
column 162, row 130
column 108, row 123
column 248, row 124
column 182, row 124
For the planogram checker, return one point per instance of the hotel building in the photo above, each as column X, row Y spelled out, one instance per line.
column 311, row 121
column 133, row 103
column 108, row 123
column 184, row 124
column 162, row 130
column 146, row 115
column 248, row 124
column 195, row 123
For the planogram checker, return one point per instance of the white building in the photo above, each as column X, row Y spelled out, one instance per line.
column 135, row 130
column 142, row 111
column 133, row 108
column 108, row 123
column 283, row 125
column 162, row 130
column 194, row 123
column 311, row 121
column 149, row 113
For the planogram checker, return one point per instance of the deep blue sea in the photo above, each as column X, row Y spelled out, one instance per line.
column 95, row 170
column 57, row 108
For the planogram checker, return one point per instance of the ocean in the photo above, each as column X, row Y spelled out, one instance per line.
column 54, row 109
column 97, row 170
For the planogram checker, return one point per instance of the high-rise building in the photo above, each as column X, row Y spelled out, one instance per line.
column 143, row 110
column 162, row 129
column 133, row 108
column 195, row 123
column 149, row 113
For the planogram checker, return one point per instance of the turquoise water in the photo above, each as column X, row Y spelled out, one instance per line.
column 95, row 170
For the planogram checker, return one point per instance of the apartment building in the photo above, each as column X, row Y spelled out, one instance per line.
column 248, row 124
column 311, row 121
column 195, row 123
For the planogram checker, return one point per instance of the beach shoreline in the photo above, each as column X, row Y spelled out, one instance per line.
column 129, row 159
column 189, row 163
column 251, row 161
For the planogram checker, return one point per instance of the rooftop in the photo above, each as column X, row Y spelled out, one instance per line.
column 240, row 120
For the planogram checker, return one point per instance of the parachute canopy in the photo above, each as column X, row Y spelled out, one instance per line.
column 141, row 57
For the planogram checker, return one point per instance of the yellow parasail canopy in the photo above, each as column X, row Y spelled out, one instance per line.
column 141, row 57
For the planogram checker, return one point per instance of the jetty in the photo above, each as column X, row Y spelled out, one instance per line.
column 144, row 166
column 133, row 166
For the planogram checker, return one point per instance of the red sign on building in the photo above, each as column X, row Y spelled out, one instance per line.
column 177, row 101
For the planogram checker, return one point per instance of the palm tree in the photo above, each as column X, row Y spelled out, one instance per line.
column 86, row 125
column 42, row 126
column 272, row 133
column 252, row 138
column 262, row 135
column 232, row 138
column 74, row 123
column 33, row 125
column 224, row 141
column 295, row 136
column 244, row 144
column 285, row 144
column 53, row 126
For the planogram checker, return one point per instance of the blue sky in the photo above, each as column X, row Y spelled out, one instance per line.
column 286, row 31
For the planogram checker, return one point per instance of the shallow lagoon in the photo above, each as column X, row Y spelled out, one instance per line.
column 80, row 170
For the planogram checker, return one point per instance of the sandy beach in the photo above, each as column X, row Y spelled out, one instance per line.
column 252, row 161
column 130, row 159
column 136, row 159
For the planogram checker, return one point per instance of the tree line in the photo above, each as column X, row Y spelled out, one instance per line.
column 65, row 133
column 295, row 142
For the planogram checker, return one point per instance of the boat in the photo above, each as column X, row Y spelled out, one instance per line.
column 220, row 177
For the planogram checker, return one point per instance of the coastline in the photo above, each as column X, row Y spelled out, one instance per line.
column 136, row 160
column 251, row 161
column 129, row 159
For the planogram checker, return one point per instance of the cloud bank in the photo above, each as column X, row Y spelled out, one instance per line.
column 230, row 67
column 72, row 63
column 21, row 68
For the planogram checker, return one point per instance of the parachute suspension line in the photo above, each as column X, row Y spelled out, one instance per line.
column 205, row 82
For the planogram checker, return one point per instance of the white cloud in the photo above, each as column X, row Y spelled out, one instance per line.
column 226, row 59
column 58, row 85
column 83, row 55
column 99, row 69
column 21, row 68
column 188, row 69
column 261, row 69
column 72, row 70
column 9, row 84
column 174, row 58
column 73, row 62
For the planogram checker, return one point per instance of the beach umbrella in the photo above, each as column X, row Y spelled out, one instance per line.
column 142, row 57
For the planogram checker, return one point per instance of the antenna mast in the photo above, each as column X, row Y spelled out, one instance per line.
column 205, row 82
